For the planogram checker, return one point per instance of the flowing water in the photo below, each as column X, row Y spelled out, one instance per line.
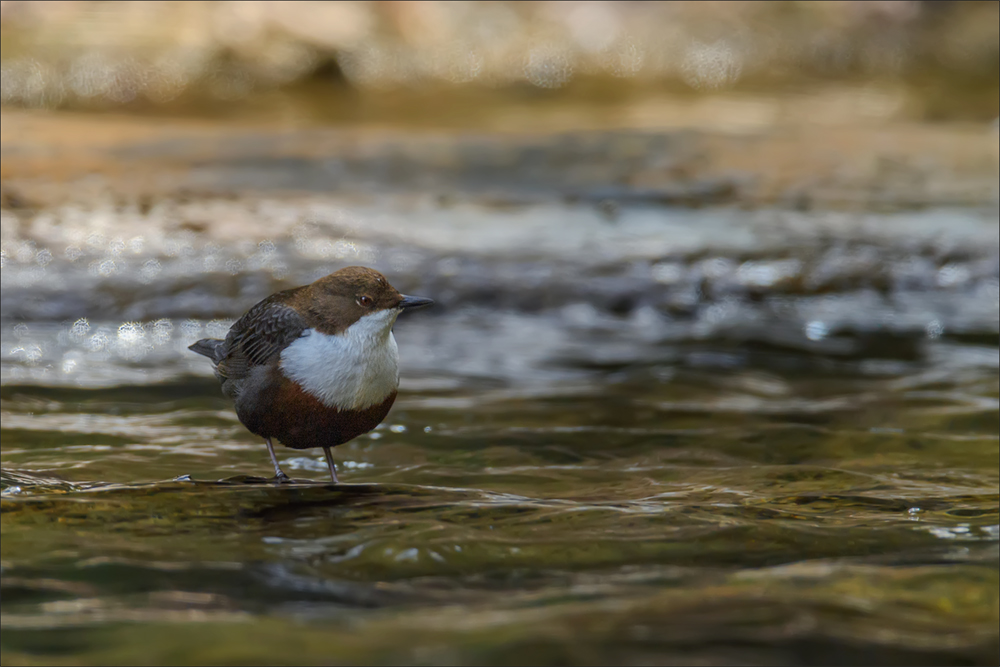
column 640, row 426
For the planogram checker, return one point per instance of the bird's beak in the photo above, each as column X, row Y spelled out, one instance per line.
column 412, row 302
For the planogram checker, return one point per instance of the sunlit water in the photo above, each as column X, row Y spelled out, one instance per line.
column 627, row 434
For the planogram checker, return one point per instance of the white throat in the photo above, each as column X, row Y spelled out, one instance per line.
column 352, row 370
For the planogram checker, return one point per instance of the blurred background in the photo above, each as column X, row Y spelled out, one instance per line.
column 329, row 62
column 712, row 376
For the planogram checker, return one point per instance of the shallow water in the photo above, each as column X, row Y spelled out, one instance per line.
column 756, row 510
column 629, row 432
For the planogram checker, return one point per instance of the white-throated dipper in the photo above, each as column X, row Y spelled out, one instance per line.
column 314, row 366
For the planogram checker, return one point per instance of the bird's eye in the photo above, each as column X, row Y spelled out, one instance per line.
column 365, row 301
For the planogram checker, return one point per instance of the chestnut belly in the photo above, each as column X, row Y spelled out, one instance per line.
column 300, row 421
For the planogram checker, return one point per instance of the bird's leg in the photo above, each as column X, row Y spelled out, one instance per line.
column 329, row 462
column 278, row 474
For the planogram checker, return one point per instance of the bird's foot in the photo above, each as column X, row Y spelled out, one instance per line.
column 281, row 478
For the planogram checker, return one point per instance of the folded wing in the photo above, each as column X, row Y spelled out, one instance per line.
column 255, row 339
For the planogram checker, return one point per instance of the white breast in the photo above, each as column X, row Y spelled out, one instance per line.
column 351, row 370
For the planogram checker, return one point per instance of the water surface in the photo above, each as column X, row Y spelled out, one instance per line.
column 633, row 430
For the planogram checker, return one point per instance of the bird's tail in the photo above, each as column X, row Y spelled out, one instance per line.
column 209, row 347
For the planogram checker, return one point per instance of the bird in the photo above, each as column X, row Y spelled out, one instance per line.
column 316, row 365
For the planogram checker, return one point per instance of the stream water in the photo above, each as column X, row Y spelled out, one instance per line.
column 640, row 426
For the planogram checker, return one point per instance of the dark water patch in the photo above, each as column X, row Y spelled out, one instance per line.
column 179, row 394
column 732, row 622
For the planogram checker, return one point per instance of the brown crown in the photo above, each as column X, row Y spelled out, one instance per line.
column 335, row 302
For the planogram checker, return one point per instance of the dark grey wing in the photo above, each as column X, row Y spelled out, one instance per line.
column 259, row 336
